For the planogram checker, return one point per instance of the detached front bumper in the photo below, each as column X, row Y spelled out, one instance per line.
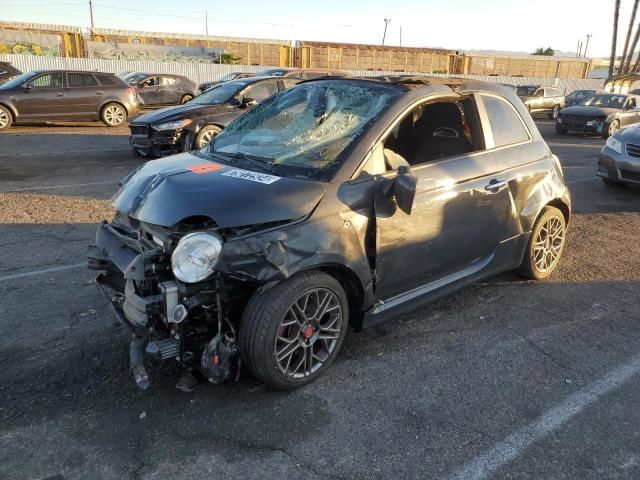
column 619, row 167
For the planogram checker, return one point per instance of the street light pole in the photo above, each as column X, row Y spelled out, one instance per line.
column 587, row 45
column 91, row 13
column 384, row 35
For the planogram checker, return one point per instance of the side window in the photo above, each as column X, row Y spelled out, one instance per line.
column 261, row 91
column 539, row 92
column 167, row 81
column 505, row 122
column 48, row 80
column 631, row 104
column 289, row 82
column 150, row 82
column 433, row 131
column 106, row 80
column 81, row 80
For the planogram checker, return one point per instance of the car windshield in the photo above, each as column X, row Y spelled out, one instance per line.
column 19, row 80
column 306, row 130
column 228, row 76
column 275, row 72
column 220, row 93
column 525, row 91
column 133, row 79
column 605, row 100
column 581, row 93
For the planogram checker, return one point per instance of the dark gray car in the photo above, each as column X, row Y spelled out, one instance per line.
column 50, row 95
column 161, row 89
column 619, row 161
column 336, row 203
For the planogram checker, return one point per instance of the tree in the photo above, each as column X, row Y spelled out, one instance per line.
column 229, row 58
column 550, row 52
column 626, row 59
column 614, row 39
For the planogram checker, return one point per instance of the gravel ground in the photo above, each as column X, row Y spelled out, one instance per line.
column 418, row 397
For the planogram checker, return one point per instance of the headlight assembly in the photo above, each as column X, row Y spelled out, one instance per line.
column 195, row 257
column 172, row 125
column 614, row 144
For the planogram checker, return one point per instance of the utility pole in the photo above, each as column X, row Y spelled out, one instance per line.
column 206, row 23
column 587, row 45
column 91, row 13
column 400, row 35
column 384, row 35
column 580, row 48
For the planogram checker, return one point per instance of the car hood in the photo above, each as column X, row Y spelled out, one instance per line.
column 587, row 111
column 180, row 112
column 166, row 191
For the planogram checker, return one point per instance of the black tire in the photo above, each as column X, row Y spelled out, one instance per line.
column 113, row 114
column 205, row 135
column 6, row 118
column 610, row 129
column 554, row 113
column 529, row 267
column 261, row 321
column 561, row 130
column 612, row 183
column 186, row 98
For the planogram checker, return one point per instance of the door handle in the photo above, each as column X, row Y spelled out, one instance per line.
column 59, row 94
column 99, row 93
column 495, row 185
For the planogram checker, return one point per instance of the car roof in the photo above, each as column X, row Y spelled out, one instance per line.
column 53, row 70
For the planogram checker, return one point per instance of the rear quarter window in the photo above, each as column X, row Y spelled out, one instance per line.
column 506, row 124
column 81, row 80
column 106, row 80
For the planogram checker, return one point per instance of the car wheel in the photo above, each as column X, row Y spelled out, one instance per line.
column 545, row 245
column 554, row 114
column 612, row 183
column 205, row 135
column 290, row 334
column 186, row 98
column 6, row 119
column 561, row 130
column 113, row 114
column 613, row 128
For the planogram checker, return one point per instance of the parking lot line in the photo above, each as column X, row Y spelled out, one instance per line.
column 582, row 180
column 59, row 186
column 487, row 463
column 42, row 272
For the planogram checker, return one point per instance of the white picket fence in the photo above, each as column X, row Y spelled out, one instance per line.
column 205, row 72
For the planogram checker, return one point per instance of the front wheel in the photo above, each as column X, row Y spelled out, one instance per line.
column 186, row 98
column 6, row 119
column 113, row 114
column 205, row 135
column 554, row 113
column 561, row 130
column 545, row 245
column 290, row 334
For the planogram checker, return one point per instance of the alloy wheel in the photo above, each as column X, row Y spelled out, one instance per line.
column 556, row 111
column 613, row 128
column 206, row 137
column 308, row 333
column 548, row 245
column 114, row 115
column 4, row 118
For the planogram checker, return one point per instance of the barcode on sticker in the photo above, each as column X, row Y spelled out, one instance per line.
column 251, row 176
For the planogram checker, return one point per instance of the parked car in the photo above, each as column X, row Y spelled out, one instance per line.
column 303, row 73
column 7, row 72
column 50, row 95
column 228, row 77
column 525, row 91
column 549, row 100
column 619, row 161
column 578, row 96
column 337, row 202
column 603, row 114
column 161, row 89
column 194, row 124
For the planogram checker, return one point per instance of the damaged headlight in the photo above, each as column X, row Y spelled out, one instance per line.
column 172, row 125
column 195, row 257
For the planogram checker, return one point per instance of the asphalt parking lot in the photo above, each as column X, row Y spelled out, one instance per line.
column 505, row 379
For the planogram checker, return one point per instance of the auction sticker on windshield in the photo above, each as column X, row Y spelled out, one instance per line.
column 251, row 176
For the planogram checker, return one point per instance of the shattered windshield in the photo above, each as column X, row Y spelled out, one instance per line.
column 307, row 128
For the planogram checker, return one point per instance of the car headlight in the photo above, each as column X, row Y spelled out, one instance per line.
column 195, row 257
column 172, row 125
column 614, row 144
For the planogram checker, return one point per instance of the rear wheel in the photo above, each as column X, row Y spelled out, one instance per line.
column 6, row 119
column 205, row 135
column 611, row 129
column 186, row 98
column 290, row 334
column 113, row 114
column 545, row 245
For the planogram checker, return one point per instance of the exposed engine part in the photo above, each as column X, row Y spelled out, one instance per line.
column 171, row 298
column 219, row 358
column 136, row 359
column 162, row 349
column 178, row 314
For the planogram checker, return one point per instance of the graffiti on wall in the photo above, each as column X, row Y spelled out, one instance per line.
column 27, row 43
column 156, row 53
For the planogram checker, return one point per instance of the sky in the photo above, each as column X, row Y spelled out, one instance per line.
column 508, row 25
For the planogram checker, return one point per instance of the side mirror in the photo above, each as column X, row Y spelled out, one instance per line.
column 248, row 102
column 141, row 85
column 402, row 189
column 26, row 86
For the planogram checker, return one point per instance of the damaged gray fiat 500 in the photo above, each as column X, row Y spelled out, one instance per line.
column 338, row 203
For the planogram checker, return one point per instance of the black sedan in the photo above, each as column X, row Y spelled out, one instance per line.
column 228, row 77
column 578, row 96
column 603, row 114
column 619, row 161
column 194, row 124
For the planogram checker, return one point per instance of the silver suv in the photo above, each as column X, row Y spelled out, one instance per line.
column 549, row 100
